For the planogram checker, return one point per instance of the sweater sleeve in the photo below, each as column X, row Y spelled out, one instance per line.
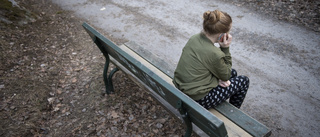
column 220, row 63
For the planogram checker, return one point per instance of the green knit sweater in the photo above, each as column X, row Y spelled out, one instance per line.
column 200, row 67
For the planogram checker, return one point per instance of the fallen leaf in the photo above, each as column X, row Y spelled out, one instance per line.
column 59, row 91
column 74, row 80
column 114, row 114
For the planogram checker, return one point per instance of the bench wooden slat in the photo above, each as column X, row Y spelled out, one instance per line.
column 249, row 124
column 233, row 129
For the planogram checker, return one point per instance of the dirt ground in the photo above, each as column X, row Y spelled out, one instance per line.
column 50, row 86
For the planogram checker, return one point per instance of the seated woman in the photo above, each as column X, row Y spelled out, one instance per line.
column 204, row 71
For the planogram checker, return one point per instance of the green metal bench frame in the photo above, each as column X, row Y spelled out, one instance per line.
column 190, row 111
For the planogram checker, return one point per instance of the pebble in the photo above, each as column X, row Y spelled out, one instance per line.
column 68, row 113
column 84, row 110
column 51, row 94
column 59, row 124
column 131, row 117
column 159, row 125
column 50, row 100
column 12, row 107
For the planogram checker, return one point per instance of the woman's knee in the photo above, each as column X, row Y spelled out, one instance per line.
column 233, row 73
column 245, row 80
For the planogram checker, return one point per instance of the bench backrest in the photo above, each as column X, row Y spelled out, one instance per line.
column 197, row 114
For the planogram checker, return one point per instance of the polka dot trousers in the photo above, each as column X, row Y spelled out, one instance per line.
column 236, row 92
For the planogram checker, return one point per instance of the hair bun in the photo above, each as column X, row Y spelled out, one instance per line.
column 206, row 15
column 212, row 16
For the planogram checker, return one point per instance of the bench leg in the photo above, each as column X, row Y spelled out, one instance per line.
column 108, row 78
column 186, row 119
column 110, row 85
column 188, row 124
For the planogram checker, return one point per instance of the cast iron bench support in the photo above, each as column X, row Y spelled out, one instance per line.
column 106, row 78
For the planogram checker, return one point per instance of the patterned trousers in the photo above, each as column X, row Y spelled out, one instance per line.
column 236, row 92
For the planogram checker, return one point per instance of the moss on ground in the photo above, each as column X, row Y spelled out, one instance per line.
column 11, row 12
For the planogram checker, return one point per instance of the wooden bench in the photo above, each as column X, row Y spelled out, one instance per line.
column 224, row 120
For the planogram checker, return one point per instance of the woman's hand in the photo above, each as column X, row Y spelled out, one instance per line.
column 226, row 40
column 224, row 83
